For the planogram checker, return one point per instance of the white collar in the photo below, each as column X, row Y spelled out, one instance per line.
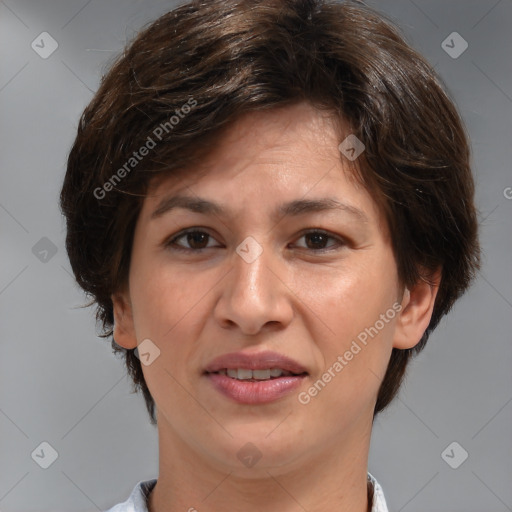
column 137, row 502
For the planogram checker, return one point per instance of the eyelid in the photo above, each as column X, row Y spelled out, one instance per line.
column 341, row 241
column 171, row 242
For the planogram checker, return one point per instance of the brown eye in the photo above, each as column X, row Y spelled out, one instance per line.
column 195, row 239
column 317, row 240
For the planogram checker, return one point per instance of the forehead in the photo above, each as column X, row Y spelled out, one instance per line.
column 279, row 136
column 271, row 157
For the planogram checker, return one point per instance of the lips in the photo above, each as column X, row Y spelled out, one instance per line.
column 276, row 376
column 255, row 361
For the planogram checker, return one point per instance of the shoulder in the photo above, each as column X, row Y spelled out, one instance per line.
column 379, row 501
column 136, row 502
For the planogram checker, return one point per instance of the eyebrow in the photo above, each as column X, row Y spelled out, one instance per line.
column 292, row 208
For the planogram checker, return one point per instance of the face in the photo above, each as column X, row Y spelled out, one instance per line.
column 317, row 285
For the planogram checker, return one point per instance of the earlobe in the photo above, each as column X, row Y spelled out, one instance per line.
column 417, row 307
column 124, row 330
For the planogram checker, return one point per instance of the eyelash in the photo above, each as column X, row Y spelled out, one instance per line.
column 171, row 243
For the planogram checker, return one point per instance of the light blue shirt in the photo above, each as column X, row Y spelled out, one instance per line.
column 137, row 502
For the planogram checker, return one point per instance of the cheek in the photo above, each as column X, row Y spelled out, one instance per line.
column 357, row 307
column 166, row 304
column 354, row 354
column 163, row 298
column 353, row 297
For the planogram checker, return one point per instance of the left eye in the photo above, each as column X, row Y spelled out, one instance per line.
column 319, row 240
column 198, row 240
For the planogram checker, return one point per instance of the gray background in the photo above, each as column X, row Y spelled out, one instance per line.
column 59, row 382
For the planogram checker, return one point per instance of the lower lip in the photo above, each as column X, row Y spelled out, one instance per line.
column 249, row 392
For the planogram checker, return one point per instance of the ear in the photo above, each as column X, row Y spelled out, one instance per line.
column 417, row 306
column 124, row 329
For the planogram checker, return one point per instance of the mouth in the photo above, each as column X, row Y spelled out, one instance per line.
column 249, row 375
column 255, row 378
column 261, row 365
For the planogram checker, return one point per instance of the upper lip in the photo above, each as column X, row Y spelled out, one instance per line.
column 255, row 361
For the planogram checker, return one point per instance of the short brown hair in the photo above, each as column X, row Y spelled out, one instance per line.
column 225, row 58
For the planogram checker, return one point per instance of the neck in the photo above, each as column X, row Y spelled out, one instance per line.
column 333, row 479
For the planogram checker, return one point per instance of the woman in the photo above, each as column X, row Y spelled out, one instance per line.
column 271, row 204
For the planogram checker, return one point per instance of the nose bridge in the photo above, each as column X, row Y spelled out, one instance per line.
column 251, row 273
column 252, row 295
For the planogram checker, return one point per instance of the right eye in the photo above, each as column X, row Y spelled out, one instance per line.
column 197, row 240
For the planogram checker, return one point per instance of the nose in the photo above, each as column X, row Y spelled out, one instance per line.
column 254, row 295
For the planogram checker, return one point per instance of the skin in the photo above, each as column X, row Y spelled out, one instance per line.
column 294, row 299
